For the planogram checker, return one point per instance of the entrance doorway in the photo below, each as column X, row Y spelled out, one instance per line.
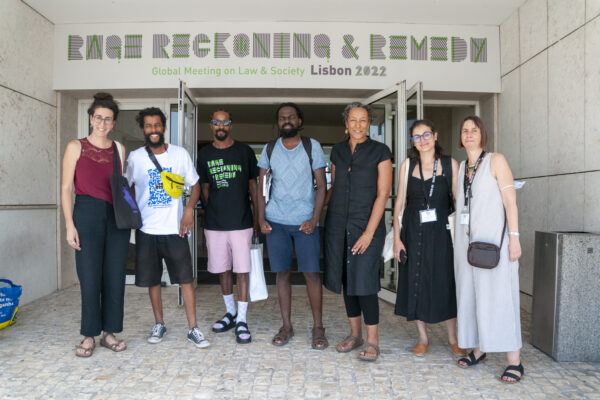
column 254, row 123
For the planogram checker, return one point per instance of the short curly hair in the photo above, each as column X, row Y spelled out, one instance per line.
column 150, row 112
column 354, row 105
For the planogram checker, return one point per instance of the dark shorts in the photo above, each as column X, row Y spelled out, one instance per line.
column 150, row 250
column 284, row 239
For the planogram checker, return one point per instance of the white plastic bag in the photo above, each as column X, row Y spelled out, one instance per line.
column 388, row 246
column 258, row 286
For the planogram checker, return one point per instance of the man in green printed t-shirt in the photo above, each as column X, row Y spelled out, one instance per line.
column 228, row 171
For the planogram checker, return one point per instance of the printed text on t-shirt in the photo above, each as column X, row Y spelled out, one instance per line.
column 221, row 172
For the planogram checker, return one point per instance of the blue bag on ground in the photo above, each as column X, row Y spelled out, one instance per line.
column 9, row 302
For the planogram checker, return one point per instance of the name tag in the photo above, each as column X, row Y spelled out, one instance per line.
column 428, row 215
column 464, row 219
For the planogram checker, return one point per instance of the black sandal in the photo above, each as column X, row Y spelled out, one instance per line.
column 240, row 329
column 225, row 326
column 519, row 368
column 470, row 360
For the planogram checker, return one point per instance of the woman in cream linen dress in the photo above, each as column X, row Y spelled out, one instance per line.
column 487, row 299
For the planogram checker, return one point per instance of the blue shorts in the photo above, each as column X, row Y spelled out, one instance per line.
column 284, row 239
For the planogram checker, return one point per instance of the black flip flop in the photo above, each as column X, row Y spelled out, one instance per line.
column 519, row 368
column 239, row 332
column 470, row 360
column 226, row 326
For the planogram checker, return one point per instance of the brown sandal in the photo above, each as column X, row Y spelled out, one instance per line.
column 116, row 346
column 319, row 341
column 457, row 350
column 366, row 356
column 348, row 344
column 282, row 337
column 82, row 351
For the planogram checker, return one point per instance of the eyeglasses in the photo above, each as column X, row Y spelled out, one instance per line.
column 217, row 122
column 426, row 136
column 98, row 119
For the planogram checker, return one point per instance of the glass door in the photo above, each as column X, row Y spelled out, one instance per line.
column 186, row 137
column 395, row 109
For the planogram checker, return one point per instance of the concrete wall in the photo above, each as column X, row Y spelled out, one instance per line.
column 28, row 155
column 67, row 131
column 549, row 119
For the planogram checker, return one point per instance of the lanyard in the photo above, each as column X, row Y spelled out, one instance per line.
column 435, row 164
column 467, row 186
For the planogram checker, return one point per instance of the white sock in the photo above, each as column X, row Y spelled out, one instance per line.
column 229, row 303
column 242, row 308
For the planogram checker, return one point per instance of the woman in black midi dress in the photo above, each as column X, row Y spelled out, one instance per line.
column 361, row 178
column 426, row 289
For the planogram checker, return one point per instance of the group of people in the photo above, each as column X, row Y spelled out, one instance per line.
column 287, row 189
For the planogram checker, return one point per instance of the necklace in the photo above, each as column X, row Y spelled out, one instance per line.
column 470, row 167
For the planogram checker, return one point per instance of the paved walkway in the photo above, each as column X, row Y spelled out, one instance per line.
column 37, row 359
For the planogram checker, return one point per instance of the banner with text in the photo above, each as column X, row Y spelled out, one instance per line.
column 276, row 55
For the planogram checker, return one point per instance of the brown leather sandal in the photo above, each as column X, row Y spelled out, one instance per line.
column 83, row 351
column 117, row 346
column 366, row 356
column 420, row 349
column 319, row 340
column 348, row 344
column 282, row 337
column 457, row 350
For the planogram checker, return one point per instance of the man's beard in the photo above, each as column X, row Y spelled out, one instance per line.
column 289, row 132
column 219, row 137
column 160, row 142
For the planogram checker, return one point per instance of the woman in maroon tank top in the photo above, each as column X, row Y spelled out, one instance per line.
column 100, row 247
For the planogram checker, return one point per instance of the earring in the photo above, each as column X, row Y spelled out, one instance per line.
column 346, row 132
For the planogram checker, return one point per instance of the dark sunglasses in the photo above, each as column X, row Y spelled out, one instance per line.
column 217, row 122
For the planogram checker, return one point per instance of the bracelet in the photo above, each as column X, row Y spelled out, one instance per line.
column 514, row 233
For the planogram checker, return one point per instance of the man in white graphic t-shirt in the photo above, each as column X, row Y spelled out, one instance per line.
column 165, row 222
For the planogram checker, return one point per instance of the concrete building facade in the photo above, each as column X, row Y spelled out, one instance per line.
column 545, row 118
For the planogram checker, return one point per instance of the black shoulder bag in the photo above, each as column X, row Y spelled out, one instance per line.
column 127, row 212
column 482, row 254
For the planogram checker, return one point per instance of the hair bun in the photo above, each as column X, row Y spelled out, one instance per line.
column 103, row 96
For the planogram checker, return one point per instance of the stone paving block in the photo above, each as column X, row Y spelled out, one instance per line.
column 175, row 369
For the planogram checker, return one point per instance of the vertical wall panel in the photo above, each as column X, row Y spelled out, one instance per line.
column 564, row 16
column 566, row 104
column 28, row 247
column 509, row 43
column 509, row 121
column 534, row 116
column 533, row 28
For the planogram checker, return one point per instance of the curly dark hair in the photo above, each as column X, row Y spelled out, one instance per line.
column 354, row 105
column 150, row 112
column 104, row 100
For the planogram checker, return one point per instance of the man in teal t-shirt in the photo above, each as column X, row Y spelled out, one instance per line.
column 290, row 218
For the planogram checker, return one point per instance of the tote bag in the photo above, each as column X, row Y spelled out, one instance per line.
column 388, row 246
column 258, row 285
column 127, row 212
column 9, row 302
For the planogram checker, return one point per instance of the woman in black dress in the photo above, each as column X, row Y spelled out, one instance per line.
column 361, row 178
column 426, row 289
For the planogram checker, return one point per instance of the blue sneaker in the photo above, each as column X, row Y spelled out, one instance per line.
column 196, row 337
column 158, row 333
